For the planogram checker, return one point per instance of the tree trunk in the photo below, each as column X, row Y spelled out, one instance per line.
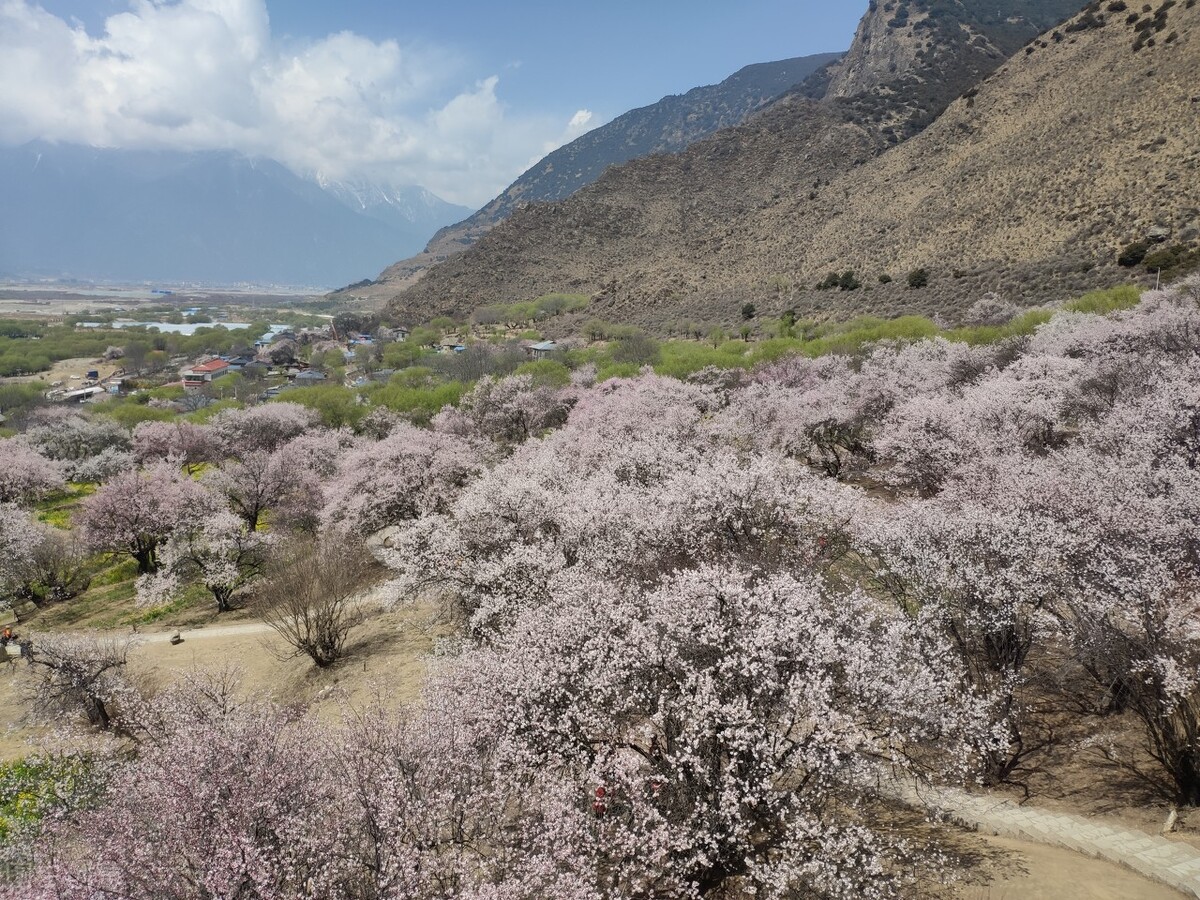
column 97, row 714
column 222, row 596
column 146, row 559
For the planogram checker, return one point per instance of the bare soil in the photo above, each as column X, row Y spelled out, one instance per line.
column 1036, row 872
column 71, row 372
column 385, row 660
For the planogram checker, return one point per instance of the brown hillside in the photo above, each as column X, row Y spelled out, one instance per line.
column 668, row 126
column 909, row 59
column 1076, row 146
column 647, row 222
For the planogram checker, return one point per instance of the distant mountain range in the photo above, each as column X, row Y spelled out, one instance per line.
column 668, row 126
column 1000, row 145
column 213, row 217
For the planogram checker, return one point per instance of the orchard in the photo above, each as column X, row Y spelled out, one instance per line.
column 700, row 624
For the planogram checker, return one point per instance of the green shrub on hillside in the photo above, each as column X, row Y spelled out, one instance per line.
column 417, row 400
column 1133, row 254
column 1178, row 259
column 918, row 278
column 130, row 414
column 1124, row 296
column 1023, row 325
column 617, row 370
column 337, row 405
column 19, row 397
column 849, row 339
column 546, row 373
column 680, row 359
column 201, row 416
column 635, row 348
column 543, row 307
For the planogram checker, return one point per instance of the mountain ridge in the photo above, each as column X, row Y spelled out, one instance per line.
column 669, row 124
column 773, row 247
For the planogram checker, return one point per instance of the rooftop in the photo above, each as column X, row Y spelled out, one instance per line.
column 213, row 365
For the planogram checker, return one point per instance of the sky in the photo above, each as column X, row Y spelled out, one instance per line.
column 458, row 98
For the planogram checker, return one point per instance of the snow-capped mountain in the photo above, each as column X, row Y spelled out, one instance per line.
column 395, row 205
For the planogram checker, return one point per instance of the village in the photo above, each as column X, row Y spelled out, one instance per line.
column 281, row 358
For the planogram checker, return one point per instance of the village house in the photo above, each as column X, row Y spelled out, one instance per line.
column 542, row 349
column 198, row 376
column 385, row 334
column 276, row 333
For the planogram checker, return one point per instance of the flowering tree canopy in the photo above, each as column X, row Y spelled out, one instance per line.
column 263, row 428
column 408, row 474
column 25, row 474
column 217, row 551
column 190, row 445
column 136, row 512
column 700, row 624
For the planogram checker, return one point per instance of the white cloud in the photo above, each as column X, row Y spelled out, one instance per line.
column 208, row 74
column 579, row 122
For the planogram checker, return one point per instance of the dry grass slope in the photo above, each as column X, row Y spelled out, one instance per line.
column 1046, row 169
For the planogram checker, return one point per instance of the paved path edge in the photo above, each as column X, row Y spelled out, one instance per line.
column 1172, row 863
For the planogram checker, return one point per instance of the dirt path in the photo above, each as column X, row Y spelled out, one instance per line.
column 1048, row 855
column 386, row 660
column 1172, row 863
column 203, row 633
column 369, row 602
column 1038, row 872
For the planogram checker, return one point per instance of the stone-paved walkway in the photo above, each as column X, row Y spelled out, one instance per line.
column 1168, row 862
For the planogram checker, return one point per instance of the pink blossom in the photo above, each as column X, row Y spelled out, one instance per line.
column 136, row 511
column 25, row 474
column 266, row 427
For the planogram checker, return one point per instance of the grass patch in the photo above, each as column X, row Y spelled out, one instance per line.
column 111, row 602
column 115, row 573
column 194, row 595
column 94, row 608
column 58, row 508
column 1023, row 325
column 1125, row 296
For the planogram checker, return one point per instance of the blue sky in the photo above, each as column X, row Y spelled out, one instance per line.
column 459, row 98
column 608, row 56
